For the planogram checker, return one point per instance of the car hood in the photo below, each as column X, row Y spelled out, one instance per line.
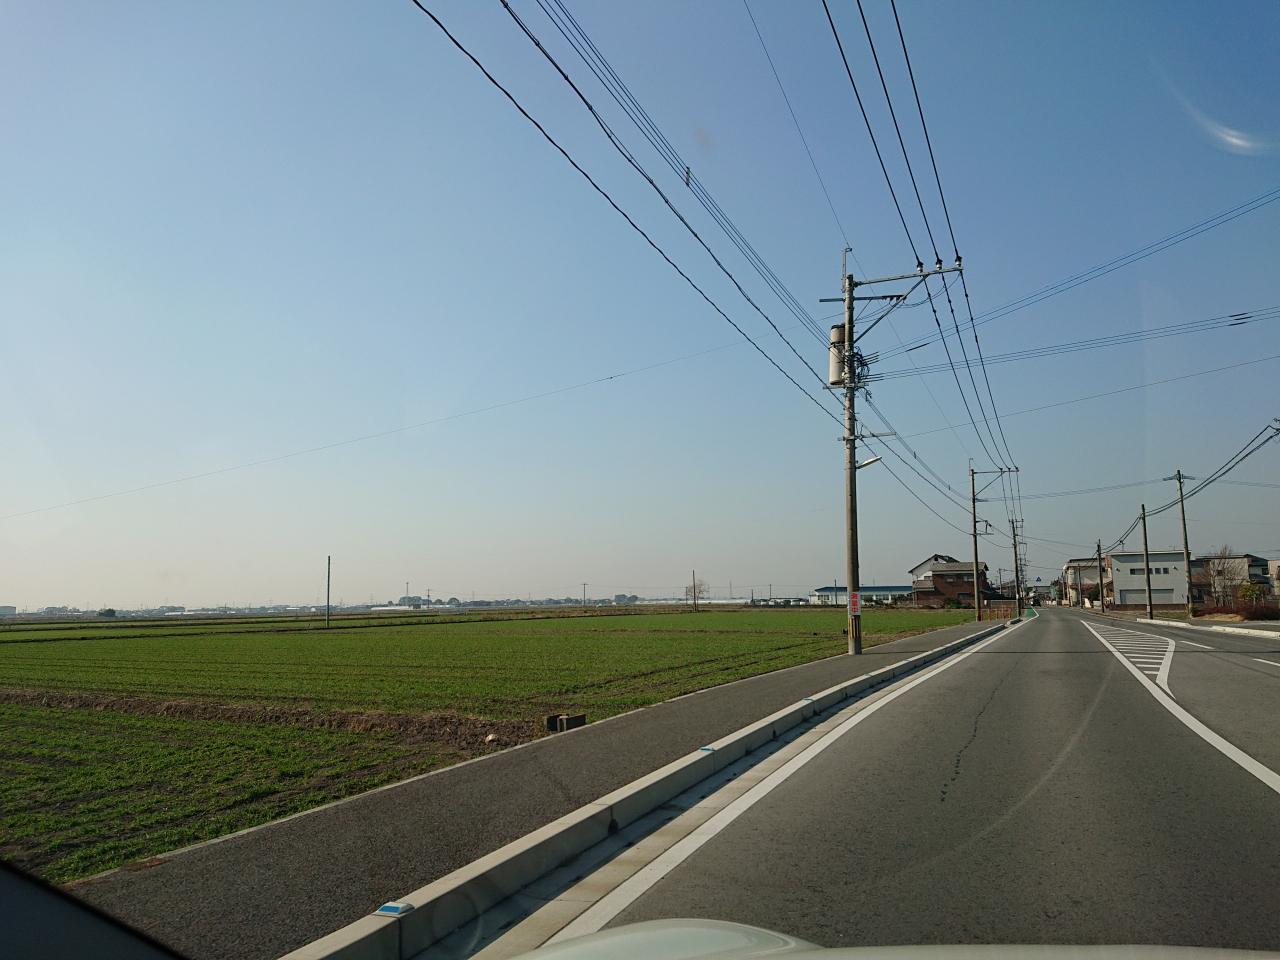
column 719, row 940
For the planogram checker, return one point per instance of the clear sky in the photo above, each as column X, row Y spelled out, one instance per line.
column 234, row 231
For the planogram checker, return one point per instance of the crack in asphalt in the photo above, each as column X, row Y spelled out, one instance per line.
column 973, row 734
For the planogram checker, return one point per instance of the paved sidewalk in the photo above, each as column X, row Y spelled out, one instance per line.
column 261, row 894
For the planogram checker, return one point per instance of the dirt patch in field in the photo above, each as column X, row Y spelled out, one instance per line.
column 470, row 734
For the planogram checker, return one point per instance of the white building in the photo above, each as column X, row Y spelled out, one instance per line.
column 829, row 596
column 1168, row 578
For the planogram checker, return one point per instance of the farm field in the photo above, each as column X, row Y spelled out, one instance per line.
column 122, row 743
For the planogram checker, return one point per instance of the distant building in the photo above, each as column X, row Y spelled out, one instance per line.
column 6, row 611
column 894, row 593
column 1273, row 571
column 941, row 580
column 1080, row 580
column 832, row 596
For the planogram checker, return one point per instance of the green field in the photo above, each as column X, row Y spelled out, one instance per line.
column 126, row 740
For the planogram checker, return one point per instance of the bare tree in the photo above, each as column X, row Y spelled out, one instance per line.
column 698, row 590
column 1225, row 573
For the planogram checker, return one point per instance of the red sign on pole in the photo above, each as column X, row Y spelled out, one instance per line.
column 855, row 604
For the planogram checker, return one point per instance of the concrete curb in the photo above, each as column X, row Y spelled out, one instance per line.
column 1214, row 628
column 429, row 913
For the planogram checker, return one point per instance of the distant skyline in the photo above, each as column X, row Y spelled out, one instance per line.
column 240, row 236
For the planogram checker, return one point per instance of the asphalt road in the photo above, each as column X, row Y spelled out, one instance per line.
column 1035, row 792
column 258, row 895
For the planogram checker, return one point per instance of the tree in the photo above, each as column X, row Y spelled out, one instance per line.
column 108, row 612
column 1224, row 569
column 698, row 590
column 1251, row 593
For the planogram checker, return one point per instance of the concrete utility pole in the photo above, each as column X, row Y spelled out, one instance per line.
column 584, row 594
column 846, row 366
column 1186, row 544
column 1146, row 559
column 973, row 506
column 973, row 503
column 328, row 574
column 1079, row 589
column 693, row 589
column 1102, row 595
column 851, row 473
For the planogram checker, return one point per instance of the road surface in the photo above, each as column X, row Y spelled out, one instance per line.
column 1075, row 780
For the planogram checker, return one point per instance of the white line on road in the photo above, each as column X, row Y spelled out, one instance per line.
column 1272, row 662
column 611, row 904
column 1223, row 746
column 1202, row 646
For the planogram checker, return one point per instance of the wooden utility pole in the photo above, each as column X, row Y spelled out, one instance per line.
column 1146, row 559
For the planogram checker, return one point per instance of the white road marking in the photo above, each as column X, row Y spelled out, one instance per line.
column 1202, row 646
column 1223, row 746
column 1152, row 655
column 1272, row 662
column 611, row 904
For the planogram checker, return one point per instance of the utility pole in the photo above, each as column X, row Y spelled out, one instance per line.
column 1079, row 590
column 1017, row 572
column 1186, row 544
column 328, row 574
column 846, row 366
column 584, row 594
column 1102, row 593
column 851, row 375
column 1146, row 559
column 693, row 589
column 973, row 505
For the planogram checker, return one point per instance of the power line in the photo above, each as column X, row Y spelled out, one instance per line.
column 582, row 44
column 1120, row 390
column 1252, row 446
column 888, row 181
column 630, row 158
column 1203, row 325
column 897, row 130
column 609, row 199
column 1053, row 494
column 1116, row 263
column 950, row 229
column 871, row 133
column 799, row 131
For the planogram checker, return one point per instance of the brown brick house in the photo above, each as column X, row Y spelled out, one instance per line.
column 943, row 578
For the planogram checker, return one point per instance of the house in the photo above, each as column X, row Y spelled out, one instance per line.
column 1273, row 570
column 1215, row 578
column 941, row 580
column 1080, row 579
column 1129, row 579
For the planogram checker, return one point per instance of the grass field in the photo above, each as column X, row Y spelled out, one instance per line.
column 122, row 741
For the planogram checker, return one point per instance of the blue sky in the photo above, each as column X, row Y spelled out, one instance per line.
column 236, row 231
